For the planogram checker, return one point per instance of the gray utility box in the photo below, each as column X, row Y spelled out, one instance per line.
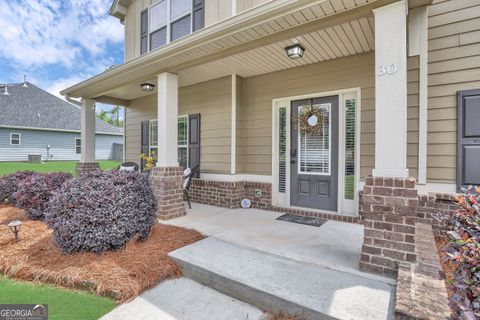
column 37, row 158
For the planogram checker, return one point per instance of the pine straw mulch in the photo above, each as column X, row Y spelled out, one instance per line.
column 121, row 275
column 447, row 267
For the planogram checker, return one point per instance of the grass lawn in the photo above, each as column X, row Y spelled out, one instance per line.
column 50, row 166
column 62, row 303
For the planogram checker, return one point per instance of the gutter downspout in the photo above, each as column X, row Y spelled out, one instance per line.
column 71, row 100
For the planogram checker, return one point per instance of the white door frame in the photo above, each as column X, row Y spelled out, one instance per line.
column 283, row 199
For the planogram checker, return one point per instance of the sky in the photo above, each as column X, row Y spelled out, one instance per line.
column 57, row 43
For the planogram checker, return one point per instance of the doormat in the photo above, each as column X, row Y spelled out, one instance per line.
column 309, row 221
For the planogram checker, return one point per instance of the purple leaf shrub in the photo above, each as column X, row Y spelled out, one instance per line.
column 9, row 185
column 101, row 210
column 463, row 229
column 35, row 191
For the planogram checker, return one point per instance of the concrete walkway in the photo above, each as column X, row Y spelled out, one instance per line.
column 275, row 265
column 335, row 245
column 183, row 299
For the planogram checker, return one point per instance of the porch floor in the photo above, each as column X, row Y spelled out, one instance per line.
column 334, row 245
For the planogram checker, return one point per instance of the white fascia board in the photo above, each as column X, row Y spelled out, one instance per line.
column 249, row 18
column 56, row 130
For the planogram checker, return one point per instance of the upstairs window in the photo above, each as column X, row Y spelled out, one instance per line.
column 169, row 20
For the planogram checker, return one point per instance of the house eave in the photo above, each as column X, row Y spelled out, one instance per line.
column 55, row 130
column 118, row 9
column 210, row 33
column 164, row 59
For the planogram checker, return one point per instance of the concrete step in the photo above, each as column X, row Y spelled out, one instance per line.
column 278, row 284
column 183, row 299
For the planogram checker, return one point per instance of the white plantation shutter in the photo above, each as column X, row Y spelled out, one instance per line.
column 315, row 149
column 179, row 8
column 158, row 15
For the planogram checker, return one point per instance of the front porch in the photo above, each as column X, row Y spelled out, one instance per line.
column 228, row 100
column 250, row 262
column 335, row 245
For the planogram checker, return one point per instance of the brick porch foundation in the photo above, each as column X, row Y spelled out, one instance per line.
column 229, row 194
column 388, row 207
column 167, row 187
column 83, row 167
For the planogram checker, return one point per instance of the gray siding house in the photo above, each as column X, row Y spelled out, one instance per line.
column 35, row 122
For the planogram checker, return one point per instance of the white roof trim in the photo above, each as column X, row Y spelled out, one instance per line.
column 57, row 130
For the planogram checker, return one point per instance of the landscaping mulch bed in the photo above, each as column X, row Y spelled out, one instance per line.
column 120, row 275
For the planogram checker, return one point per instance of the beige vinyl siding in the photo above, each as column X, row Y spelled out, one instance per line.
column 453, row 64
column 132, row 28
column 212, row 100
column 214, row 10
column 139, row 110
column 255, row 138
column 243, row 5
column 255, row 129
column 217, row 10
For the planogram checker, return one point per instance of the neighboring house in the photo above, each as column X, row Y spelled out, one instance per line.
column 222, row 84
column 34, row 122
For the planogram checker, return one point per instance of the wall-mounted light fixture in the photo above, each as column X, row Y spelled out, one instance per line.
column 147, row 87
column 295, row 51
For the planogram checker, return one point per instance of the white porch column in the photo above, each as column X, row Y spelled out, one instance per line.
column 167, row 115
column 391, row 90
column 87, row 134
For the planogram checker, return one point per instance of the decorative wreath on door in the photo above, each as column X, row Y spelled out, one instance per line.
column 310, row 120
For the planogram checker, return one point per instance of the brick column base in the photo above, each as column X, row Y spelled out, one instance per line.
column 167, row 187
column 83, row 167
column 388, row 206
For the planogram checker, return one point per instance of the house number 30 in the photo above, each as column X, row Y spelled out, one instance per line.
column 390, row 70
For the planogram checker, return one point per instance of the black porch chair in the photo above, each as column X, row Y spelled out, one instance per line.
column 187, row 180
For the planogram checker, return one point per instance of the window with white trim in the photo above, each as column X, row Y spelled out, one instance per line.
column 169, row 20
column 15, row 139
column 182, row 141
column 78, row 146
column 315, row 149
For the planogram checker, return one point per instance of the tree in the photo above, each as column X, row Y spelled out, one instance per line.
column 112, row 116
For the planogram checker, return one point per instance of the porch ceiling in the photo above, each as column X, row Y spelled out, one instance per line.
column 350, row 38
column 247, row 44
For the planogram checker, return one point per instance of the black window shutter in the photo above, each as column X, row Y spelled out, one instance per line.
column 198, row 14
column 194, row 141
column 145, row 133
column 144, row 31
column 468, row 136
